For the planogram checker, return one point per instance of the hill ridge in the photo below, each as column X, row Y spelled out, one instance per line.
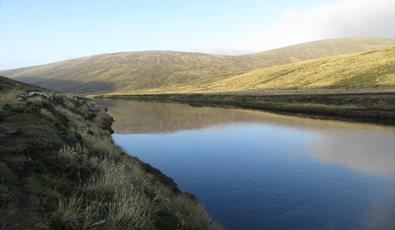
column 149, row 70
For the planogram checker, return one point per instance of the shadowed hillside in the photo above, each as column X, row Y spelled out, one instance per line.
column 167, row 71
column 59, row 169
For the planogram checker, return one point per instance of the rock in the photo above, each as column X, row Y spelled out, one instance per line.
column 12, row 132
column 41, row 94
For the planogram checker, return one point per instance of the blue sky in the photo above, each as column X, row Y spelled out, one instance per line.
column 43, row 31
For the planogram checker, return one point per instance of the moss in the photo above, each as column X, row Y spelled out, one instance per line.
column 8, row 199
column 40, row 226
column 6, row 175
column 15, row 161
column 8, row 191
column 166, row 220
column 34, row 185
column 33, row 201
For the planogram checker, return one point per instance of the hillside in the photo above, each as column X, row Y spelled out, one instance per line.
column 161, row 71
column 319, row 49
column 59, row 169
column 369, row 70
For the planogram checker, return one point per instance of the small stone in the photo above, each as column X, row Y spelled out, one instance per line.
column 41, row 94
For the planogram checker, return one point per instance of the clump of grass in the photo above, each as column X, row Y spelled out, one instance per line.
column 131, row 208
column 46, row 113
column 69, row 210
column 98, row 146
column 67, row 153
column 113, row 190
column 191, row 215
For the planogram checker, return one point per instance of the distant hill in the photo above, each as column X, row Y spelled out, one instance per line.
column 322, row 48
column 168, row 71
column 367, row 70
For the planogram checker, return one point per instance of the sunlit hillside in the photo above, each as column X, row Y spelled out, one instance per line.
column 168, row 71
column 374, row 69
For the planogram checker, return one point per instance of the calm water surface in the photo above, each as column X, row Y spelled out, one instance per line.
column 256, row 170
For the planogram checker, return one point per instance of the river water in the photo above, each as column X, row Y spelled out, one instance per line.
column 258, row 170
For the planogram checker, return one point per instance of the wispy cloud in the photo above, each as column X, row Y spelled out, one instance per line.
column 346, row 18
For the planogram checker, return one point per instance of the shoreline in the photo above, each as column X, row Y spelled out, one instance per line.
column 58, row 160
column 372, row 107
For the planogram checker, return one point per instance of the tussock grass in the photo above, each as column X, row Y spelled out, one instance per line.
column 66, row 173
column 130, row 208
column 127, row 198
column 69, row 210
column 67, row 153
column 117, row 191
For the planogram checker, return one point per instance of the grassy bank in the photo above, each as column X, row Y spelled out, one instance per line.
column 371, row 107
column 59, row 169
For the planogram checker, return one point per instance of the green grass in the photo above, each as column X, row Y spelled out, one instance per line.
column 59, row 169
column 167, row 71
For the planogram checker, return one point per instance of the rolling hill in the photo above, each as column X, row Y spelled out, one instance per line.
column 168, row 71
column 367, row 70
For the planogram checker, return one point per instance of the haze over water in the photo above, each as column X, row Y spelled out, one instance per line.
column 257, row 170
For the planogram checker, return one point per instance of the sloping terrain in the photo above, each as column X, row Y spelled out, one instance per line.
column 369, row 70
column 59, row 169
column 319, row 49
column 167, row 71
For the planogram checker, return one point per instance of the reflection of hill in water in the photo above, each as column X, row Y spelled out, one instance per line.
column 143, row 117
column 150, row 117
column 361, row 147
column 369, row 151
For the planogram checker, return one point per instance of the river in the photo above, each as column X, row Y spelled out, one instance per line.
column 258, row 170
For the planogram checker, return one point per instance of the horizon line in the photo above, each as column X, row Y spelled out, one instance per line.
column 241, row 53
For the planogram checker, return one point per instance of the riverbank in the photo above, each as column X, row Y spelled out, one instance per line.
column 59, row 169
column 371, row 107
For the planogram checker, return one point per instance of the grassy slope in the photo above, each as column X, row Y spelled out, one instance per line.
column 369, row 70
column 159, row 71
column 60, row 170
column 319, row 49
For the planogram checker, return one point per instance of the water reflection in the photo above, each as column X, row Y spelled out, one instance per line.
column 366, row 150
column 381, row 214
column 363, row 147
column 255, row 170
